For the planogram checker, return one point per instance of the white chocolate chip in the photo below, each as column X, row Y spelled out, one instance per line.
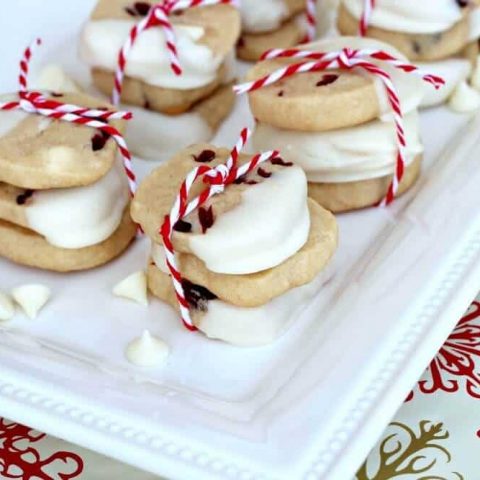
column 31, row 298
column 7, row 308
column 147, row 351
column 464, row 99
column 53, row 78
column 134, row 287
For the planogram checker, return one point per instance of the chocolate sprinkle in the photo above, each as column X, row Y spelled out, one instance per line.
column 23, row 197
column 327, row 80
column 182, row 226
column 205, row 157
column 205, row 216
column 197, row 296
column 263, row 173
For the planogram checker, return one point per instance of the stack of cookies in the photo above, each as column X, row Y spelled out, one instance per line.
column 64, row 199
column 170, row 111
column 442, row 33
column 270, row 24
column 250, row 258
column 337, row 125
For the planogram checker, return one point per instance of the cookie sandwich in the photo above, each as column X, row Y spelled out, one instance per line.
column 170, row 62
column 241, row 247
column 345, row 110
column 270, row 24
column 64, row 195
column 440, row 36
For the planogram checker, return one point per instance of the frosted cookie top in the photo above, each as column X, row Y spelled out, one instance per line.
column 411, row 16
column 204, row 37
column 37, row 152
column 255, row 224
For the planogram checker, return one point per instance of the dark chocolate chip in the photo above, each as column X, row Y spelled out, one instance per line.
column 205, row 157
column 182, row 226
column 327, row 80
column 197, row 296
column 23, row 197
column 206, row 218
column 263, row 173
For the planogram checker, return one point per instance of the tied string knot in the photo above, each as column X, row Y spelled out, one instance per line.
column 34, row 102
column 349, row 59
column 217, row 179
column 158, row 16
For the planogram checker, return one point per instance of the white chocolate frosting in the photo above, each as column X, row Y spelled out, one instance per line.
column 410, row 16
column 249, row 327
column 263, row 16
column 271, row 224
column 147, row 351
column 410, row 87
column 345, row 155
column 155, row 136
column 148, row 60
column 453, row 70
column 83, row 216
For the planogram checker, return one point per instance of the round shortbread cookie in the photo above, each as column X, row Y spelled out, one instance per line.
column 256, row 289
column 417, row 47
column 39, row 153
column 329, row 99
column 222, row 27
column 27, row 248
column 251, row 46
column 302, row 102
column 163, row 100
column 344, row 197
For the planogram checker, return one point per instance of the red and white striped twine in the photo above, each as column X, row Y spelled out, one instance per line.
column 158, row 16
column 311, row 14
column 368, row 7
column 37, row 103
column 217, row 178
column 348, row 59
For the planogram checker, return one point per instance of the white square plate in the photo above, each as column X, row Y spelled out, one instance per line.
column 308, row 407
